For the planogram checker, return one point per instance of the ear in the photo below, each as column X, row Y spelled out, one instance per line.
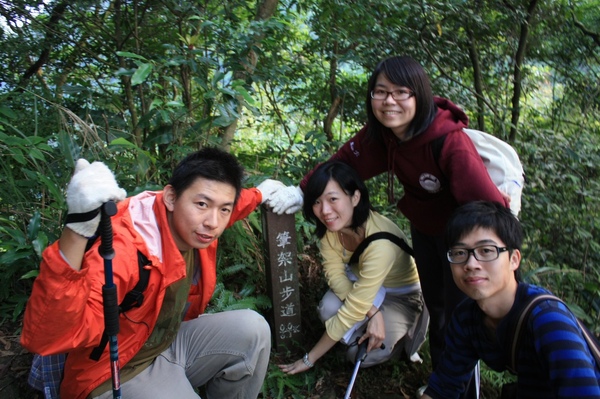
column 515, row 259
column 355, row 198
column 169, row 197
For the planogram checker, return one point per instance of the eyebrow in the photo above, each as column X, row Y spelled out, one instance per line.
column 334, row 191
column 480, row 242
column 393, row 85
column 209, row 199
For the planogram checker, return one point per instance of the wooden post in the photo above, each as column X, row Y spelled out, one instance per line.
column 279, row 235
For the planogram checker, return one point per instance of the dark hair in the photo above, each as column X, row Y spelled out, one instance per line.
column 488, row 215
column 210, row 163
column 403, row 71
column 348, row 180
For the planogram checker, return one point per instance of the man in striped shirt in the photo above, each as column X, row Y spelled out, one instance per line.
column 554, row 360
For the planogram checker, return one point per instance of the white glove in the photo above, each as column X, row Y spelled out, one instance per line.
column 268, row 187
column 89, row 188
column 287, row 200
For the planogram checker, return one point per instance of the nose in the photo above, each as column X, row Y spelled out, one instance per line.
column 325, row 208
column 388, row 98
column 471, row 262
column 319, row 208
column 211, row 219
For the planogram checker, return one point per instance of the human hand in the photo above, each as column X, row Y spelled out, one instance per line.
column 268, row 187
column 505, row 196
column 375, row 332
column 91, row 186
column 286, row 200
column 294, row 368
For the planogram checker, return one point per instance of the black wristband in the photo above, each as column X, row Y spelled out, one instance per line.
column 369, row 318
column 82, row 217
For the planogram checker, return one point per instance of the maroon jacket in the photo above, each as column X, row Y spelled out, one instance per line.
column 430, row 194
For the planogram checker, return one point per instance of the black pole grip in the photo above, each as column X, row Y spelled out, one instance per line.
column 111, row 310
column 361, row 354
column 106, row 234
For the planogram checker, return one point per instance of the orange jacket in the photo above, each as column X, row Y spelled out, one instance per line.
column 65, row 313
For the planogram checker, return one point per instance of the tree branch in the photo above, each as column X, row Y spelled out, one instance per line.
column 55, row 17
column 517, row 72
column 443, row 72
column 595, row 36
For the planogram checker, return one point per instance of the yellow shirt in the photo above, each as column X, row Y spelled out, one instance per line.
column 382, row 263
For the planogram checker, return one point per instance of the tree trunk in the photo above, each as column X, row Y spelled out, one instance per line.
column 477, row 79
column 517, row 73
column 52, row 32
column 265, row 10
column 126, row 80
column 336, row 100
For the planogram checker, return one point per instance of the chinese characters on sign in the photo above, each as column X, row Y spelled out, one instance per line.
column 282, row 277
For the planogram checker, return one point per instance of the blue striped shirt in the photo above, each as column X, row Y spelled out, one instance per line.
column 554, row 360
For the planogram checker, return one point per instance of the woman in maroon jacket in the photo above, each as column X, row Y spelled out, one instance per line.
column 404, row 119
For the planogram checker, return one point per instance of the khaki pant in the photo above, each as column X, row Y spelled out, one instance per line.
column 399, row 314
column 227, row 352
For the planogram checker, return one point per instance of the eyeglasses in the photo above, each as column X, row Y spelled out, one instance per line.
column 398, row 95
column 484, row 253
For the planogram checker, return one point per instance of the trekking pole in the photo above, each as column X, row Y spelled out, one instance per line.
column 361, row 354
column 109, row 294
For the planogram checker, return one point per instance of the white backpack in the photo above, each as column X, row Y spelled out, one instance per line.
column 501, row 161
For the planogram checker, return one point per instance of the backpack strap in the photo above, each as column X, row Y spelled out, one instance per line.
column 517, row 332
column 377, row 236
column 133, row 299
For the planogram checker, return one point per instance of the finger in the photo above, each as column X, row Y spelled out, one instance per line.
column 290, row 370
column 276, row 208
column 293, row 209
column 287, row 371
column 372, row 345
column 361, row 340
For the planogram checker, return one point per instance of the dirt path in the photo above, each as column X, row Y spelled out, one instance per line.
column 14, row 364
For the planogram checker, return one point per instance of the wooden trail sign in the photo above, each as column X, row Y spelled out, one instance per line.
column 279, row 235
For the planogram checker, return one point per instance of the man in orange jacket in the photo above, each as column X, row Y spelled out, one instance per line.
column 177, row 229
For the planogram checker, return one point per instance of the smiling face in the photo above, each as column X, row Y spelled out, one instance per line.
column 335, row 208
column 393, row 114
column 198, row 216
column 490, row 282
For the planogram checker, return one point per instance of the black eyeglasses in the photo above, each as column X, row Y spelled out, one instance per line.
column 484, row 253
column 398, row 95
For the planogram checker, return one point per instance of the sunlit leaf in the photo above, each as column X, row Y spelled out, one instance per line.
column 140, row 75
column 127, row 54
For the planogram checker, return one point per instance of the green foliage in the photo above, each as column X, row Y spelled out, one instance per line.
column 141, row 85
column 240, row 269
column 18, row 251
column 29, row 202
column 493, row 380
column 278, row 385
column 224, row 299
column 560, row 218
